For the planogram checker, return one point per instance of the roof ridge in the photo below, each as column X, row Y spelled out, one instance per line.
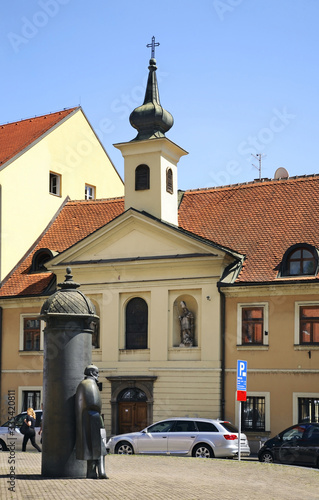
column 99, row 200
column 255, row 182
column 72, row 108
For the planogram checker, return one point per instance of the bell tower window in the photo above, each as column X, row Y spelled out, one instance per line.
column 142, row 178
column 169, row 181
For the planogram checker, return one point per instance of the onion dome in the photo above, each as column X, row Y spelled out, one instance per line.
column 68, row 301
column 151, row 120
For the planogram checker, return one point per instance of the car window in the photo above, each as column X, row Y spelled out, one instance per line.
column 206, row 427
column 19, row 419
column 229, row 427
column 164, row 426
column 38, row 416
column 313, row 436
column 294, row 433
column 184, row 426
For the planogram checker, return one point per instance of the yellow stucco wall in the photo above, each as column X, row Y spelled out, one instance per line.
column 70, row 150
column 281, row 371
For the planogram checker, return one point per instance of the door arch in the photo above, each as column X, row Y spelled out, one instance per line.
column 132, row 408
column 123, row 382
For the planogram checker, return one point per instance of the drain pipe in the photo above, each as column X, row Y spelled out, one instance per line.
column 1, row 351
column 223, row 350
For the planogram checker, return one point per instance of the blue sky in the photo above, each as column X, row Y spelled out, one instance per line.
column 239, row 76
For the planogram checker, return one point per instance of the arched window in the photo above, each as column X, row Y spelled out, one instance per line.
column 142, row 178
column 169, row 180
column 300, row 260
column 132, row 394
column 136, row 324
column 40, row 258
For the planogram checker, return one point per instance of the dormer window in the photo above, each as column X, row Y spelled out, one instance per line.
column 40, row 258
column 142, row 178
column 300, row 260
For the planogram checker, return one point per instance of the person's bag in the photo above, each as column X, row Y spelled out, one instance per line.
column 24, row 428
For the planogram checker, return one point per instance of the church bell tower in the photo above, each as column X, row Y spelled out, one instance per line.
column 150, row 160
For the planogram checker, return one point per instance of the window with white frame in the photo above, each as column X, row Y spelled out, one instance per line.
column 31, row 333
column 55, row 184
column 255, row 412
column 307, row 323
column 89, row 192
column 30, row 397
column 252, row 324
column 306, row 407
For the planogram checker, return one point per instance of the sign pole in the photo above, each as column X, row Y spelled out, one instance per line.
column 239, row 428
column 241, row 394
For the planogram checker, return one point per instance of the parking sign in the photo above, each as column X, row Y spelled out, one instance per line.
column 241, row 375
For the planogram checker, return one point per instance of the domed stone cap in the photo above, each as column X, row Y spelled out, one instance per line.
column 68, row 301
column 151, row 120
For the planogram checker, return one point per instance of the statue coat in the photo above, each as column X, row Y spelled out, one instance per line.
column 89, row 445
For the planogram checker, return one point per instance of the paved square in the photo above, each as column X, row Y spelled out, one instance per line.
column 163, row 478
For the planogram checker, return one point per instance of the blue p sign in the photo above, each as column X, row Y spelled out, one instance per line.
column 241, row 375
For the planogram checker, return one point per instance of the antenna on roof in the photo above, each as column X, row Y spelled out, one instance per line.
column 258, row 157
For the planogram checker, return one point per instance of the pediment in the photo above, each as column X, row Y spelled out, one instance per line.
column 135, row 235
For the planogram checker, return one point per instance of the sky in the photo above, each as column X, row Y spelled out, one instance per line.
column 240, row 77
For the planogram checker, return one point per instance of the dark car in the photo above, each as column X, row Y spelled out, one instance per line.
column 299, row 444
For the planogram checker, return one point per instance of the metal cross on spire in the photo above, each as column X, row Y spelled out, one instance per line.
column 153, row 45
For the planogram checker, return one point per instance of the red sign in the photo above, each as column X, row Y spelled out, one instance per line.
column 241, row 396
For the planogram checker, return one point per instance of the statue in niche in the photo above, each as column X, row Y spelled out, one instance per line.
column 187, row 326
column 89, row 425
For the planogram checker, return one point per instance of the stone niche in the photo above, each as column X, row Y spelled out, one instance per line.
column 192, row 307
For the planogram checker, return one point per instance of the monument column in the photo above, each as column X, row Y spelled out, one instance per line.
column 69, row 317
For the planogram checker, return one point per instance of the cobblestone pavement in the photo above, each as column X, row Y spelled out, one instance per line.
column 163, row 478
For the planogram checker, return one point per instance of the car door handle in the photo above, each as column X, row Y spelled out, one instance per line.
column 164, row 437
column 193, row 437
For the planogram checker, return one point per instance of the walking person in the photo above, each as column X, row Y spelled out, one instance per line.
column 30, row 432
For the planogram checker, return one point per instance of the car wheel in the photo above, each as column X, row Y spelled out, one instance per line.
column 3, row 446
column 124, row 448
column 266, row 457
column 203, row 451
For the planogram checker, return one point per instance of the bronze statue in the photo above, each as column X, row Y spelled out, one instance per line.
column 89, row 425
column 187, row 326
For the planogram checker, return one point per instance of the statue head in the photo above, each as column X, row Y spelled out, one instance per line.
column 183, row 306
column 92, row 371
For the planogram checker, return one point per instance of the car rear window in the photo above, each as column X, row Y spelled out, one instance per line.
column 206, row 427
column 229, row 427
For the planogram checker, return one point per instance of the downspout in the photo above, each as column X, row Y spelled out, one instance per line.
column 223, row 350
column 1, row 351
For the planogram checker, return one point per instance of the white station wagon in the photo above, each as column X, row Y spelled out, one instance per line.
column 196, row 437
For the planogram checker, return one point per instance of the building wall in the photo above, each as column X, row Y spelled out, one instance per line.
column 20, row 370
column 281, row 371
column 71, row 150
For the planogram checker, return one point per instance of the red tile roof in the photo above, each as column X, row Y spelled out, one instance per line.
column 16, row 136
column 76, row 220
column 260, row 220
